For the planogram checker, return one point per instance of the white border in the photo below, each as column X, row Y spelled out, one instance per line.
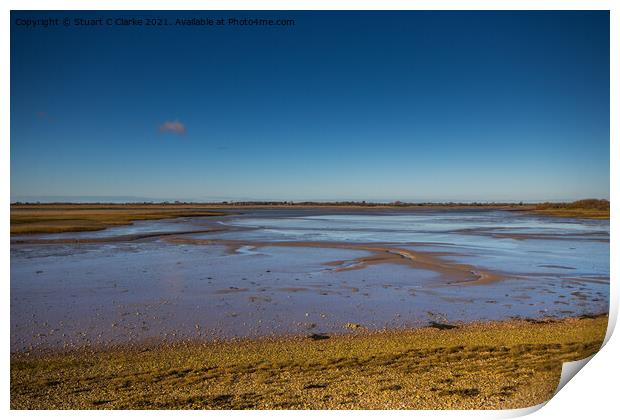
column 593, row 394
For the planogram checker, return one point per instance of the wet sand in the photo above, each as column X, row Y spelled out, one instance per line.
column 452, row 272
column 493, row 365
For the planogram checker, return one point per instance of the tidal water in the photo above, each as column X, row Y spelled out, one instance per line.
column 264, row 272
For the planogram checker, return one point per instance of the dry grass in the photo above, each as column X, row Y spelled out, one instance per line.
column 588, row 209
column 487, row 365
column 576, row 213
column 27, row 219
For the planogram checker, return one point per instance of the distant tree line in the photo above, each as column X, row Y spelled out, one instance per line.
column 589, row 203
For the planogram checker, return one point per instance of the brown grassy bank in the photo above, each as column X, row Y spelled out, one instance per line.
column 483, row 365
column 76, row 218
column 588, row 209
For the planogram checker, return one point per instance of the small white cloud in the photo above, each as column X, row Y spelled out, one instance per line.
column 175, row 127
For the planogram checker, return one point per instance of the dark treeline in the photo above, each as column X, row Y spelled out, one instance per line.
column 280, row 203
column 364, row 203
column 598, row 204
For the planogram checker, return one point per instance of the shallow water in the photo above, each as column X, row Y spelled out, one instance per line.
column 244, row 280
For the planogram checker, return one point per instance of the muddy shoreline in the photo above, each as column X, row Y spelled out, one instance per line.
column 306, row 308
column 56, row 218
column 298, row 271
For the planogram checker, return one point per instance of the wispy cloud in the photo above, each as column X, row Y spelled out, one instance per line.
column 175, row 127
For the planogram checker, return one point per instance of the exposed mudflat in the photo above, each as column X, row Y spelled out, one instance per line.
column 300, row 272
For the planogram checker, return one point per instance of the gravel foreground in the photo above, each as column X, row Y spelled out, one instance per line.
column 484, row 365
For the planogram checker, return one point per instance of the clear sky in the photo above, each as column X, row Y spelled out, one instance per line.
column 342, row 105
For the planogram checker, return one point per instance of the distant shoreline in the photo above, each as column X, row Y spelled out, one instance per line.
column 279, row 204
column 30, row 218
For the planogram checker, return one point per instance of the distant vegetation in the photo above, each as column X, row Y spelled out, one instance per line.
column 187, row 204
column 78, row 218
column 590, row 203
column 73, row 217
column 590, row 208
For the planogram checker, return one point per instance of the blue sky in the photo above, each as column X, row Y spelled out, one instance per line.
column 342, row 105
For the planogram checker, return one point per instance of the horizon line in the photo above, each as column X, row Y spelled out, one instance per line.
column 302, row 202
